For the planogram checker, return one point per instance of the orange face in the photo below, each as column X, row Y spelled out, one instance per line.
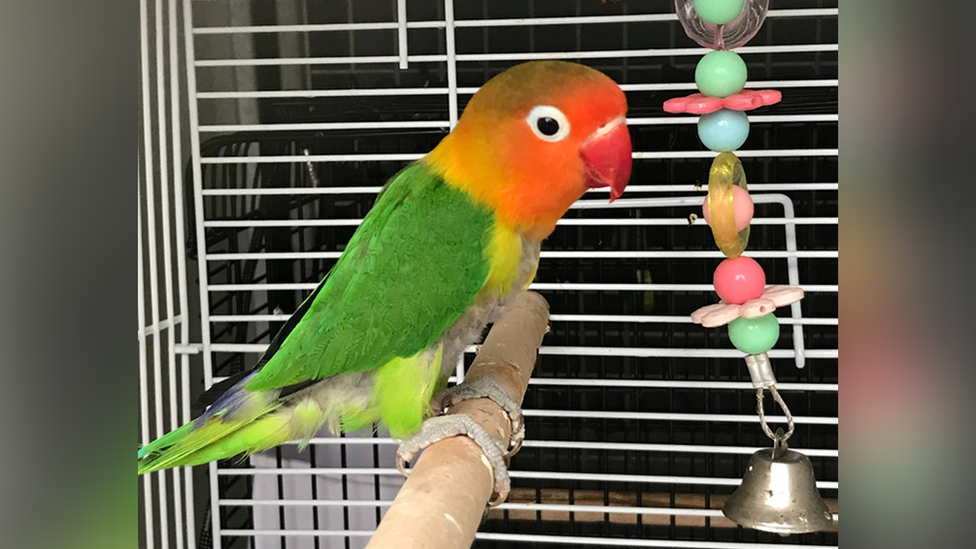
column 534, row 138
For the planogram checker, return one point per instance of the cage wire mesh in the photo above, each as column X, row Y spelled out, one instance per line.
column 639, row 422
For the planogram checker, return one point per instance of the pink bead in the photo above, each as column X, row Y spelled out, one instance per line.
column 739, row 280
column 744, row 208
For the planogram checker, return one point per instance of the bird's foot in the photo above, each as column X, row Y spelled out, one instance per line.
column 441, row 427
column 487, row 387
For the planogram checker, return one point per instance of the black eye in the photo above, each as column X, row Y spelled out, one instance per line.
column 548, row 123
column 547, row 126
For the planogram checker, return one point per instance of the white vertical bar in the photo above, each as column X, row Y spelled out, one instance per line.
column 793, row 271
column 191, row 83
column 143, row 374
column 153, row 264
column 182, row 293
column 452, row 91
column 459, row 369
column 402, row 32
column 164, row 183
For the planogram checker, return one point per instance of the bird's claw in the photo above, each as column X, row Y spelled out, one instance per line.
column 447, row 426
column 487, row 387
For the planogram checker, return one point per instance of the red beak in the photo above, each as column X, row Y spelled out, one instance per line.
column 606, row 155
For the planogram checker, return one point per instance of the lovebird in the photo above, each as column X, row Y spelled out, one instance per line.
column 450, row 241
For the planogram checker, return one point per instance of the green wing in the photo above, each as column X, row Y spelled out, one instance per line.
column 409, row 272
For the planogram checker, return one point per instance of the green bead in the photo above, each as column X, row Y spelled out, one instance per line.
column 754, row 336
column 721, row 74
column 718, row 12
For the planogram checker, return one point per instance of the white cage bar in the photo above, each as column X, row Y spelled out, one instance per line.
column 167, row 514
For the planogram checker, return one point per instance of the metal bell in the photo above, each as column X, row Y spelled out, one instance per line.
column 779, row 494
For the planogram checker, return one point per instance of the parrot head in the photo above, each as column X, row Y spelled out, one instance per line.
column 534, row 138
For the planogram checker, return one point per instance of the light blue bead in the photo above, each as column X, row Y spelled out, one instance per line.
column 724, row 130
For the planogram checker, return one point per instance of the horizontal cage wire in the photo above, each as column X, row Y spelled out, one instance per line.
column 639, row 422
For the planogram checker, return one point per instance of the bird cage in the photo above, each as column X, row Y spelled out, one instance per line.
column 269, row 127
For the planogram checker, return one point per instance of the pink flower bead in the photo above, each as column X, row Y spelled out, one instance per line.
column 742, row 203
column 746, row 100
column 739, row 280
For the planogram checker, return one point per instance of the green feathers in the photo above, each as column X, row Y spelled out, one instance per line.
column 369, row 333
column 416, row 263
column 404, row 387
column 192, row 443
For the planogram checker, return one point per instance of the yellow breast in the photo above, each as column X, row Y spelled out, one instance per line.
column 504, row 254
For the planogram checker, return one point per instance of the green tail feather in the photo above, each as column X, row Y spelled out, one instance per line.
column 164, row 441
column 216, row 439
column 244, row 422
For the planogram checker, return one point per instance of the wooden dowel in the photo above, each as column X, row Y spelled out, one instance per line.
column 601, row 498
column 442, row 502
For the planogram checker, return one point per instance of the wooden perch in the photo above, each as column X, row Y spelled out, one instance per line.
column 624, row 502
column 442, row 502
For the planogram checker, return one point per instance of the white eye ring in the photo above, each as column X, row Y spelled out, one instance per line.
column 548, row 117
